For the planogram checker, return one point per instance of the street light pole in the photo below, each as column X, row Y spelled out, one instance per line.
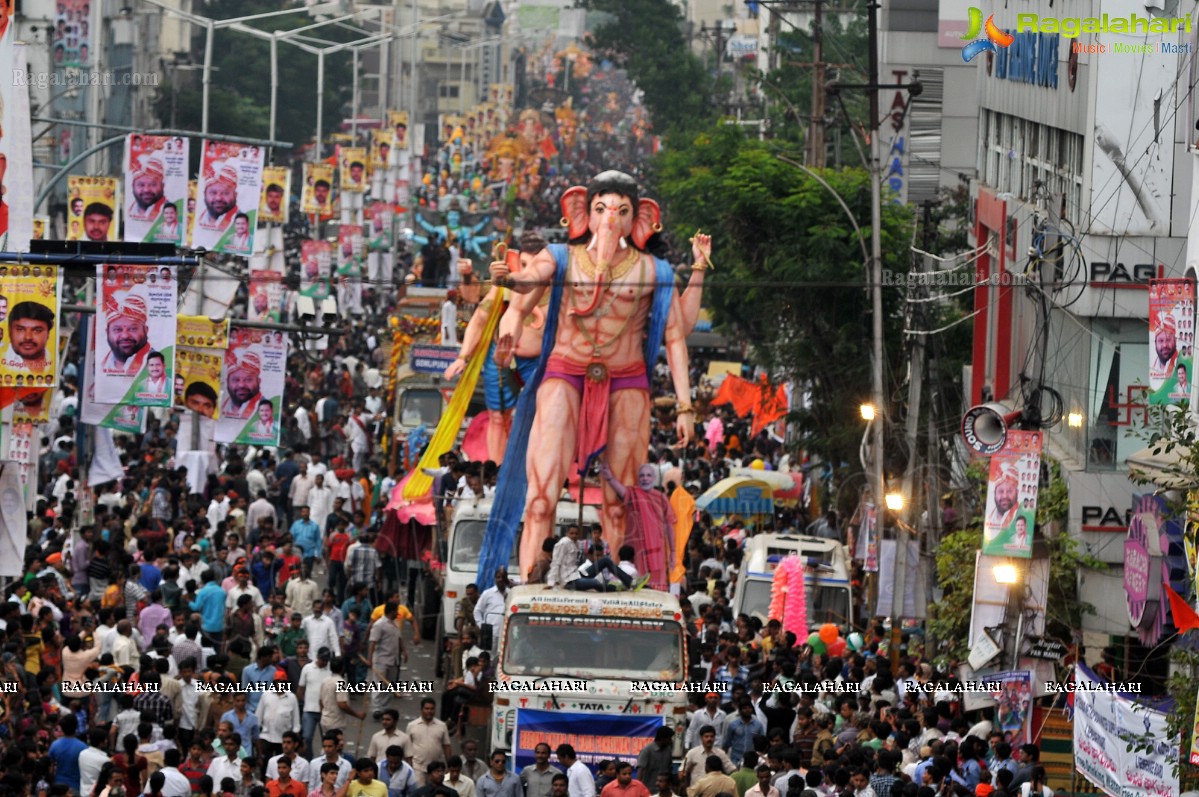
column 274, row 79
column 207, row 77
column 320, row 102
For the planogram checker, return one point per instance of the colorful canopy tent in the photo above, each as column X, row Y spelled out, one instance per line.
column 786, row 486
column 737, row 495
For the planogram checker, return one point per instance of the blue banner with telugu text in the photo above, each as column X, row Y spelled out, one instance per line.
column 595, row 737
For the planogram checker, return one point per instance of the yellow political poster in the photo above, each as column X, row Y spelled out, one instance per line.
column 92, row 209
column 29, row 299
column 201, row 332
column 198, row 380
column 276, row 188
column 353, row 169
column 317, row 194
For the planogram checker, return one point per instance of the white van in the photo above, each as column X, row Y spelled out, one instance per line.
column 830, row 596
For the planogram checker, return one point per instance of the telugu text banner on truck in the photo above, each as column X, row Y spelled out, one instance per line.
column 594, row 738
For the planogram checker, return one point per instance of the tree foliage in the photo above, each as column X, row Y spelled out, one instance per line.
column 645, row 37
column 240, row 92
column 789, row 277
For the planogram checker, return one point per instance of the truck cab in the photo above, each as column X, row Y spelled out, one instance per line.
column 465, row 545
column 599, row 670
column 828, row 589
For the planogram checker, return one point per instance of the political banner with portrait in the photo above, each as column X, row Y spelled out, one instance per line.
column 136, row 318
column 92, row 209
column 352, row 172
column 349, row 267
column 227, row 197
column 379, row 217
column 266, row 295
column 72, row 33
column 397, row 122
column 14, row 529
column 198, row 380
column 254, row 376
column 1013, row 706
column 382, row 143
column 156, row 175
column 317, row 194
column 1012, row 496
column 33, row 406
column 29, row 301
column 316, row 268
column 23, row 447
column 276, row 193
column 1171, row 339
column 16, row 147
column 41, row 228
column 127, row 418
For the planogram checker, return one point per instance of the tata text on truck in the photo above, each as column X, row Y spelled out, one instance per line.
column 599, row 671
column 829, row 596
column 467, row 528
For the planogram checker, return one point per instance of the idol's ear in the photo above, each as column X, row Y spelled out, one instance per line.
column 648, row 222
column 574, row 211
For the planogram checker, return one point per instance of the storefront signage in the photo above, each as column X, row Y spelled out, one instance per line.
column 1120, row 275
column 1032, row 59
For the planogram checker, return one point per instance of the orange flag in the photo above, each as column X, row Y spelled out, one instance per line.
column 1185, row 618
column 683, row 505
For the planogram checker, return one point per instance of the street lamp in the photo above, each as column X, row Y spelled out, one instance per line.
column 867, row 411
column 1074, row 420
column 1006, row 574
column 894, row 502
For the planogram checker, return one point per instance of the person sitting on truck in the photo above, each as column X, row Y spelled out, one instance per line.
column 590, row 572
column 541, row 566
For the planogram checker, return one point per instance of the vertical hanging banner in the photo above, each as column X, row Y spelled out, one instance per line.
column 41, row 228
column 378, row 242
column 1013, row 706
column 13, row 521
column 22, row 455
column 266, row 295
column 254, row 375
column 16, row 152
column 276, row 191
column 397, row 121
column 353, row 170
column 156, row 174
column 198, row 380
column 867, row 549
column 1012, row 496
column 1171, row 339
column 135, row 313
column 190, row 215
column 317, row 193
column 349, row 268
column 201, row 332
column 316, row 265
column 33, row 407
column 27, row 331
column 72, row 38
column 227, row 197
column 92, row 209
column 382, row 143
column 122, row 418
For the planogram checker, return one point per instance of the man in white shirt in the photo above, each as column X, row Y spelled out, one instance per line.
column 320, row 501
column 580, row 782
column 388, row 736
column 218, row 508
column 278, row 712
column 176, row 783
column 321, row 630
column 258, row 511
column 331, row 756
column 300, row 485
column 93, row 759
column 564, row 564
column 308, row 689
column 299, row 764
column 489, row 611
column 711, row 714
column 302, row 593
column 243, row 587
column 449, row 320
column 228, row 765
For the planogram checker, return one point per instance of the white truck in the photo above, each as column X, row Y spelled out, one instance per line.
column 829, row 594
column 599, row 671
column 464, row 546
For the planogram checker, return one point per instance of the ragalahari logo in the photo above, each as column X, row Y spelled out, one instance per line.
column 995, row 37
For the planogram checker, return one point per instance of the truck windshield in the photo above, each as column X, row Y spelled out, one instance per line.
column 420, row 406
column 826, row 604
column 468, row 544
column 592, row 647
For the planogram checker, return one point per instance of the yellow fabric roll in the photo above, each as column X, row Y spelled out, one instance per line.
column 451, row 421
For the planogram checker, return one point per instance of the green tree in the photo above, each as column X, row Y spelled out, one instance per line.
column 790, row 278
column 646, row 38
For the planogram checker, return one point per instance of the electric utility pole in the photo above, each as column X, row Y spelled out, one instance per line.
column 816, row 123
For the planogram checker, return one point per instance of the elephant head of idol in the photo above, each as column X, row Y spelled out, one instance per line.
column 608, row 216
